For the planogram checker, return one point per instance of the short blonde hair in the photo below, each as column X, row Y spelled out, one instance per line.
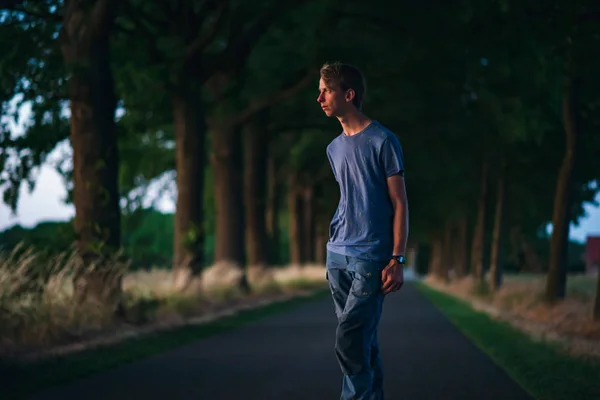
column 347, row 77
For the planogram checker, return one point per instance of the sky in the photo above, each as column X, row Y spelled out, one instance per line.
column 46, row 203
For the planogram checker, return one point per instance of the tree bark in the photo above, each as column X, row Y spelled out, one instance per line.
column 461, row 243
column 320, row 242
column 255, row 196
column 308, row 224
column 596, row 311
column 478, row 246
column 272, row 212
column 497, row 259
column 190, row 133
column 296, row 235
column 447, row 251
column 557, row 269
column 85, row 46
column 227, row 168
column 436, row 263
column 532, row 258
column 412, row 252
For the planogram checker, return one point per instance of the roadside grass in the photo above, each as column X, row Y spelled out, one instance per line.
column 21, row 380
column 540, row 368
column 38, row 309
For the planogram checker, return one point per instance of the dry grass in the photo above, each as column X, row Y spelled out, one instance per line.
column 520, row 302
column 38, row 311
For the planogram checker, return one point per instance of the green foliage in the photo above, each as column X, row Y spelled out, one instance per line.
column 32, row 74
column 490, row 90
column 51, row 237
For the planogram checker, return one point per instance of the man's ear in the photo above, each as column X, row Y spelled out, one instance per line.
column 350, row 93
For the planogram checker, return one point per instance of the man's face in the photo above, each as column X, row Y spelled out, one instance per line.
column 332, row 99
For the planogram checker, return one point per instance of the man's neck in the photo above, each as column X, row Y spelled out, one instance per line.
column 354, row 122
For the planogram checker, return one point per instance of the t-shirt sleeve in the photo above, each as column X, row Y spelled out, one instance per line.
column 392, row 157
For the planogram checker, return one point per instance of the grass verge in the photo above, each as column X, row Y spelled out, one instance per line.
column 22, row 380
column 538, row 367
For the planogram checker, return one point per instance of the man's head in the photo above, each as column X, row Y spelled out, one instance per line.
column 341, row 87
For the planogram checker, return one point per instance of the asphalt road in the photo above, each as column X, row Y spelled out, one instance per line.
column 290, row 357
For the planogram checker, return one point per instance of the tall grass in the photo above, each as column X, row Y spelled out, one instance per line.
column 38, row 307
column 520, row 301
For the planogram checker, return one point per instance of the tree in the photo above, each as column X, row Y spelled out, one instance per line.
column 85, row 45
column 84, row 42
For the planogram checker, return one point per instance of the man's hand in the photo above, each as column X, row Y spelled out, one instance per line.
column 392, row 277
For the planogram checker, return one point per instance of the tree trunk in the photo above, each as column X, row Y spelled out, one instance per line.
column 190, row 133
column 557, row 269
column 229, row 204
column 412, row 252
column 497, row 261
column 447, row 252
column 255, row 197
column 272, row 212
column 308, row 225
column 296, row 236
column 532, row 258
column 85, row 45
column 461, row 243
column 478, row 246
column 320, row 242
column 436, row 262
column 596, row 311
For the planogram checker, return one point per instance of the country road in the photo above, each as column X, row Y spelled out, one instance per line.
column 290, row 357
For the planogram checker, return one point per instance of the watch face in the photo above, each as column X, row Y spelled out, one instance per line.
column 400, row 259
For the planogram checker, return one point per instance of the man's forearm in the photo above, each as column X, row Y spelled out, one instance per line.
column 400, row 228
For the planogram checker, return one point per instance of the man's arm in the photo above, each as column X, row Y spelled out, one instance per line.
column 397, row 192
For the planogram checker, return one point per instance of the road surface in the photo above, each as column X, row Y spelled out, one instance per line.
column 290, row 357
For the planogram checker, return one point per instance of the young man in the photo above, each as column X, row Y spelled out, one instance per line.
column 368, row 232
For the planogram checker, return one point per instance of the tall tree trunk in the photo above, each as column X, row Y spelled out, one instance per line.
column 436, row 260
column 447, row 251
column 308, row 224
column 296, row 236
column 85, row 45
column 531, row 256
column 596, row 311
column 557, row 270
column 497, row 260
column 412, row 252
column 255, row 196
column 478, row 246
column 272, row 212
column 227, row 166
column 461, row 243
column 190, row 136
column 321, row 237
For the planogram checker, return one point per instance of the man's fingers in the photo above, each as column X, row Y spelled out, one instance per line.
column 391, row 286
column 388, row 286
column 387, row 283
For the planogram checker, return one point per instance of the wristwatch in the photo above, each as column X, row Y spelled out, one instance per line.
column 400, row 259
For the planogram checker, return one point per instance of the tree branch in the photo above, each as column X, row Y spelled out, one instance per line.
column 202, row 41
column 239, row 47
column 101, row 15
column 140, row 19
column 272, row 99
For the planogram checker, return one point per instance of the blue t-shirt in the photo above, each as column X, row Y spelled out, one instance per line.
column 362, row 225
